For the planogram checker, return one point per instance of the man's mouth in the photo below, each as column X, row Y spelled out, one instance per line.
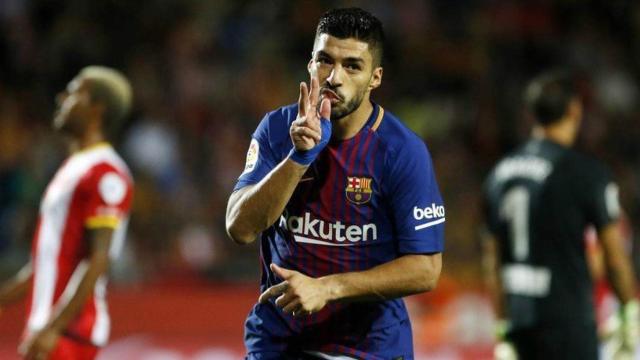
column 331, row 95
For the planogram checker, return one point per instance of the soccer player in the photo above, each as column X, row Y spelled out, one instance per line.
column 81, row 225
column 540, row 200
column 347, row 205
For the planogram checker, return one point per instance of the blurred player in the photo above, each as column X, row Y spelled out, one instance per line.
column 346, row 202
column 81, row 225
column 540, row 200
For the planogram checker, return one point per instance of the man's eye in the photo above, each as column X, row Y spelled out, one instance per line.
column 323, row 61
column 352, row 67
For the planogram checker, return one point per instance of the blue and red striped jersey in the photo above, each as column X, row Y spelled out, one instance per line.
column 363, row 202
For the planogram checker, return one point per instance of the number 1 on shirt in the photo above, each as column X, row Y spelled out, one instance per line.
column 515, row 210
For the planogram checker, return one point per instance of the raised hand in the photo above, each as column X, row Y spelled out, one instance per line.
column 298, row 294
column 311, row 130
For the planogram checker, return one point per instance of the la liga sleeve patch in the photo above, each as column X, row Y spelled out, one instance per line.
column 252, row 156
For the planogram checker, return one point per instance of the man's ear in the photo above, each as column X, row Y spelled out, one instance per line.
column 376, row 78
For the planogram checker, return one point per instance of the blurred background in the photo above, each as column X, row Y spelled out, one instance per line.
column 205, row 72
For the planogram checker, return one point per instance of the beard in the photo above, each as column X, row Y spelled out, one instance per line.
column 342, row 110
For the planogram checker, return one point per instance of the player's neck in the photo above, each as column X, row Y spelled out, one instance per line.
column 562, row 133
column 350, row 125
column 85, row 141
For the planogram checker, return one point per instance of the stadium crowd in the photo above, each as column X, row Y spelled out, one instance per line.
column 205, row 72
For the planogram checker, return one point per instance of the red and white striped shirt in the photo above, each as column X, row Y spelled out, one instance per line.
column 92, row 189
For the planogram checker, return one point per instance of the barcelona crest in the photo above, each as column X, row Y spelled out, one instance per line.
column 358, row 189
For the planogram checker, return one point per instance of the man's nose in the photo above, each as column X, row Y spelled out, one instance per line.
column 335, row 77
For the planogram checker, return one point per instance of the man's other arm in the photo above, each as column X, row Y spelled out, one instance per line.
column 44, row 341
column 407, row 275
column 16, row 287
column 617, row 262
column 300, row 295
column 622, row 280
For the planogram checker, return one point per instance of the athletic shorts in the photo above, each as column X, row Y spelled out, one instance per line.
column 389, row 343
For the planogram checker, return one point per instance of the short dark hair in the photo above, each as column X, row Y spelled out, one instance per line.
column 548, row 95
column 354, row 23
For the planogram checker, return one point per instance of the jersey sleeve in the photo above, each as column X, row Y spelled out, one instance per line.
column 488, row 205
column 107, row 197
column 601, row 198
column 261, row 158
column 416, row 204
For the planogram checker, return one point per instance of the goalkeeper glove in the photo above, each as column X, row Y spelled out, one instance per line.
column 504, row 349
column 622, row 331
